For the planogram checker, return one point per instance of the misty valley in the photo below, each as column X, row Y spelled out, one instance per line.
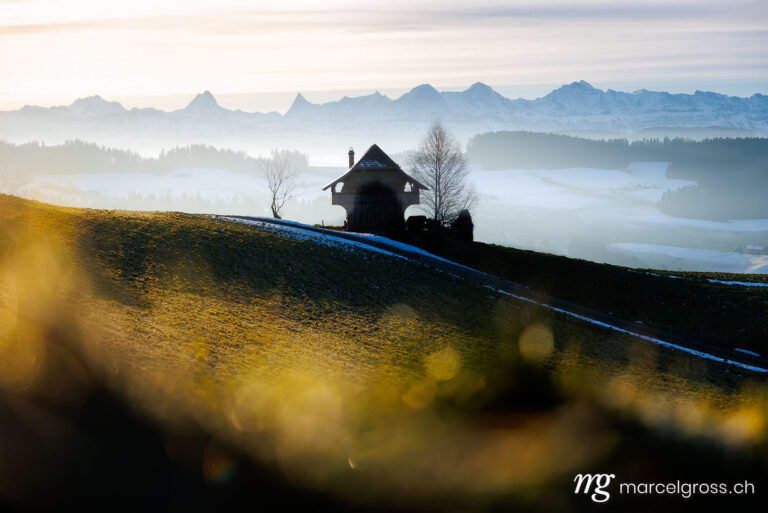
column 666, row 203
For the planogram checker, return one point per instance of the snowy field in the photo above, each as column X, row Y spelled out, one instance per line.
column 610, row 216
column 207, row 183
column 596, row 214
column 694, row 259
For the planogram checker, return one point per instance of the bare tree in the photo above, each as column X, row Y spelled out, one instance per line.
column 439, row 164
column 281, row 178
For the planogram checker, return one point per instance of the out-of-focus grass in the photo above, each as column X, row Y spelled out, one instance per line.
column 356, row 373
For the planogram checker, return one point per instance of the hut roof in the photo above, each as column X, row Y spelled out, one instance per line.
column 374, row 159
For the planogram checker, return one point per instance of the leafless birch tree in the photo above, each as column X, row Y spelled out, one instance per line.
column 439, row 164
column 281, row 178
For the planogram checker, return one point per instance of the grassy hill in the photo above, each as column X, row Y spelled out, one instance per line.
column 701, row 304
column 358, row 376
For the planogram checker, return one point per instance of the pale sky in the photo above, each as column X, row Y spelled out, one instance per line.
column 256, row 55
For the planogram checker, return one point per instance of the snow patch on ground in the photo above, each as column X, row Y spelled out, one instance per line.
column 638, row 335
column 650, row 215
column 711, row 280
column 304, row 229
column 740, row 283
column 297, row 233
column 745, row 351
column 409, row 248
column 577, row 188
column 694, row 259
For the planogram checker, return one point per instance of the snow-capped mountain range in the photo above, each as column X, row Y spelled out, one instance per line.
column 576, row 106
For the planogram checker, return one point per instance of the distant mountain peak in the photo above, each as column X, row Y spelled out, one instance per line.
column 583, row 84
column 481, row 91
column 424, row 89
column 423, row 99
column 574, row 92
column 479, row 86
column 300, row 101
column 89, row 99
column 300, row 105
column 577, row 105
column 203, row 100
column 94, row 105
column 710, row 94
column 423, row 92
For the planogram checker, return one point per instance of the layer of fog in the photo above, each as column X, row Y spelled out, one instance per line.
column 596, row 214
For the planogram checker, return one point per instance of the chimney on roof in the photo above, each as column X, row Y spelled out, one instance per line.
column 351, row 157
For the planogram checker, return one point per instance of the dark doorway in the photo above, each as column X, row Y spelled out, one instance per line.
column 377, row 209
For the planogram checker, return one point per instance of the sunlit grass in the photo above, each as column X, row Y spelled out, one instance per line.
column 354, row 372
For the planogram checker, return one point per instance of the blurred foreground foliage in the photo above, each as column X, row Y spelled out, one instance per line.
column 184, row 357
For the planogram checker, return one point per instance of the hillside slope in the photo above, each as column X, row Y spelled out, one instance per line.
column 729, row 309
column 357, row 374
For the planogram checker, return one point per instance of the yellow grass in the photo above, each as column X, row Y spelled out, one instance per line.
column 355, row 372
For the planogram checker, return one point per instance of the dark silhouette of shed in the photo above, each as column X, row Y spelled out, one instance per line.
column 375, row 192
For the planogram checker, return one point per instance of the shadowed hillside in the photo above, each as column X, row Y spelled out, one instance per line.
column 356, row 377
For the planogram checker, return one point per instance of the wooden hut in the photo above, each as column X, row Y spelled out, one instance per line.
column 375, row 192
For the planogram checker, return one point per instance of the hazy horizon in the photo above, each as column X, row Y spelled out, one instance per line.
column 255, row 57
column 280, row 101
